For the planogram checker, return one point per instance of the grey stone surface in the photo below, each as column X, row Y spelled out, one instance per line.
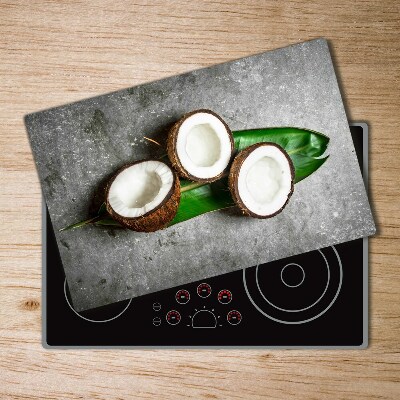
column 77, row 146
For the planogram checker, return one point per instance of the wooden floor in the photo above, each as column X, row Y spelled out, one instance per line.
column 53, row 53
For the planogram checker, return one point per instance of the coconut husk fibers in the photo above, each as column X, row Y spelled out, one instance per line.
column 155, row 219
column 172, row 153
column 234, row 176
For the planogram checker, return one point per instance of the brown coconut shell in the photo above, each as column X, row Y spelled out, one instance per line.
column 234, row 176
column 172, row 153
column 155, row 219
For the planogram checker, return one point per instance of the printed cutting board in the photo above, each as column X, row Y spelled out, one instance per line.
column 78, row 146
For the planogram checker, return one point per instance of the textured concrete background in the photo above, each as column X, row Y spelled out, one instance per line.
column 77, row 147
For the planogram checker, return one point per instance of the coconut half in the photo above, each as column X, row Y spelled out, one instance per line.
column 143, row 196
column 261, row 180
column 200, row 146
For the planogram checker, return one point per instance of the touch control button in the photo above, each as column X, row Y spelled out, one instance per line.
column 204, row 290
column 156, row 306
column 173, row 317
column 234, row 317
column 225, row 296
column 182, row 296
column 156, row 321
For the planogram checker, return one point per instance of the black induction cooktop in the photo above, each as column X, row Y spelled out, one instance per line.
column 316, row 299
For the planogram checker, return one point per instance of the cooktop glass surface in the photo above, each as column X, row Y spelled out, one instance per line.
column 316, row 299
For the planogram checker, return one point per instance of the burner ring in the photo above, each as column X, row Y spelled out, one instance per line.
column 295, row 317
column 88, row 319
column 302, row 278
column 300, row 309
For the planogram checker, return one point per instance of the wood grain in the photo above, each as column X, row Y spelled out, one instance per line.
column 54, row 52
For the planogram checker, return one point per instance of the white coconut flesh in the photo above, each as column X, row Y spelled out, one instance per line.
column 265, row 180
column 140, row 188
column 203, row 145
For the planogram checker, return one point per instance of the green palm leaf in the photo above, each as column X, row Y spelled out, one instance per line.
column 305, row 148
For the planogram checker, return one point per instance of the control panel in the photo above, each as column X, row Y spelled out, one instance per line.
column 205, row 308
